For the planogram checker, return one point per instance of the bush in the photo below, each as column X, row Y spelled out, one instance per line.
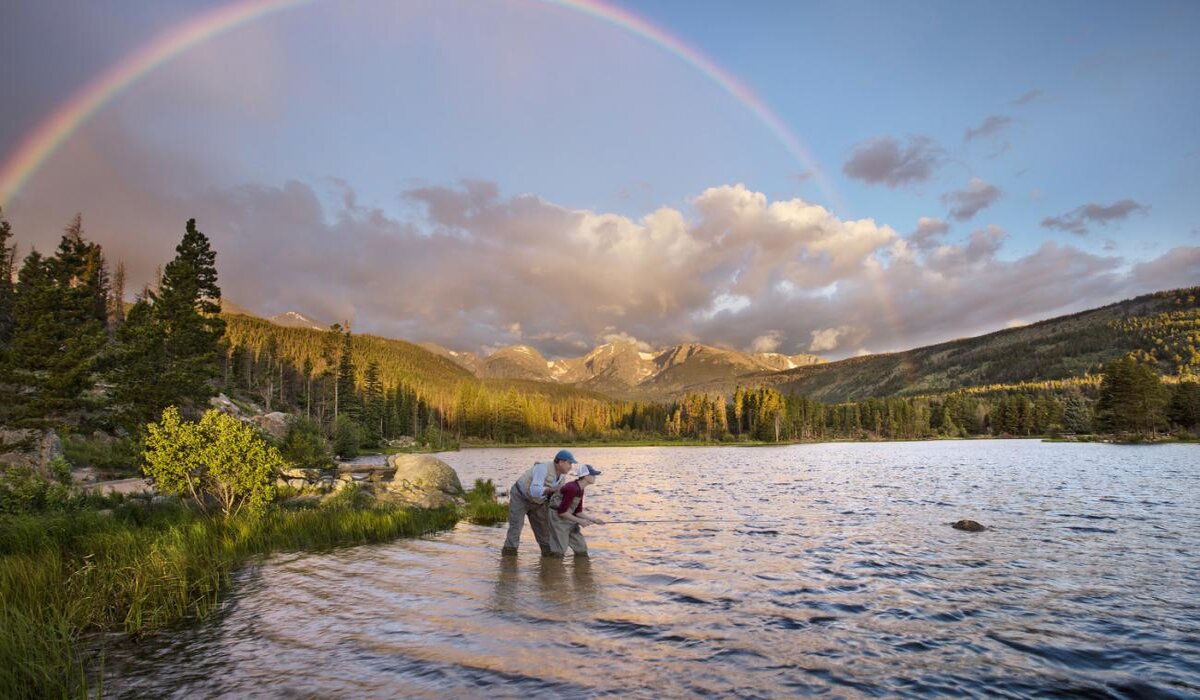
column 118, row 454
column 346, row 437
column 218, row 458
column 304, row 445
column 24, row 490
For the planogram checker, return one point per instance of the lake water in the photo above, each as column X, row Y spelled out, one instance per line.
column 829, row 568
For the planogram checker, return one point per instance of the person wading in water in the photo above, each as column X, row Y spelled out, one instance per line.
column 567, row 520
column 527, row 497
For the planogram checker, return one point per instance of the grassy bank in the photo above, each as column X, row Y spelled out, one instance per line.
column 139, row 568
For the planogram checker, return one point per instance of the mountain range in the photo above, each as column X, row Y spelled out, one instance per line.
column 1163, row 327
column 623, row 369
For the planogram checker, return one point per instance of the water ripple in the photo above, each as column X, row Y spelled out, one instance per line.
column 826, row 569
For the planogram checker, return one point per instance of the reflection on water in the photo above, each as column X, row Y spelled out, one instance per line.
column 818, row 569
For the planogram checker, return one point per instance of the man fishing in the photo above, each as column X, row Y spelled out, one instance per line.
column 528, row 497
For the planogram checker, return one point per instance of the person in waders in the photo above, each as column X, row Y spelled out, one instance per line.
column 527, row 498
column 567, row 520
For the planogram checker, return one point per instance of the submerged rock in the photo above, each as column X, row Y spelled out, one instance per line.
column 423, row 481
column 968, row 526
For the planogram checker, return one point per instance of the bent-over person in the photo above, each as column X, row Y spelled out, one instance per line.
column 527, row 498
column 567, row 520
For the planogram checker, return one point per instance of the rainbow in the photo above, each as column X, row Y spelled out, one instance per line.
column 52, row 132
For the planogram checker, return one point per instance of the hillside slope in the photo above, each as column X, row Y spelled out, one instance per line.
column 1164, row 326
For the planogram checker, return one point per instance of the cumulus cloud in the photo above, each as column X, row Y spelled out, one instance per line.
column 990, row 126
column 767, row 342
column 884, row 160
column 826, row 339
column 929, row 233
column 1077, row 220
column 965, row 204
column 613, row 336
column 469, row 266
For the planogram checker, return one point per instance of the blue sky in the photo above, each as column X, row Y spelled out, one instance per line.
column 1060, row 133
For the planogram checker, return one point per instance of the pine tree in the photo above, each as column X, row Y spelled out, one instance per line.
column 58, row 331
column 373, row 403
column 8, row 291
column 186, row 309
column 138, row 364
column 1184, row 409
column 346, row 402
column 1132, row 398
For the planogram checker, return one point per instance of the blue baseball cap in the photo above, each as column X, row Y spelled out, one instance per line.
column 588, row 470
column 565, row 454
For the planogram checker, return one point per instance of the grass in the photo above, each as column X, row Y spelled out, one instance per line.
column 139, row 568
column 481, row 507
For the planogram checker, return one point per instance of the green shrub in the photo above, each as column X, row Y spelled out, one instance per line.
column 304, row 445
column 118, row 454
column 347, row 435
column 218, row 458
column 24, row 489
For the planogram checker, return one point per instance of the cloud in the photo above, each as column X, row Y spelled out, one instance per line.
column 1178, row 267
column 929, row 233
column 1028, row 97
column 767, row 342
column 1076, row 221
column 467, row 265
column 613, row 336
column 826, row 339
column 883, row 160
column 990, row 126
column 965, row 204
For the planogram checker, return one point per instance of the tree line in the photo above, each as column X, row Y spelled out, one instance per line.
column 1130, row 398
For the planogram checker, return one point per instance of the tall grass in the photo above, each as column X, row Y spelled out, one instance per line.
column 481, row 507
column 141, row 568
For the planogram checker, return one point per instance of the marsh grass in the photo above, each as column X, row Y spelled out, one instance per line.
column 139, row 568
column 481, row 507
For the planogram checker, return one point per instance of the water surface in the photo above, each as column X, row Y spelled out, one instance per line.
column 826, row 569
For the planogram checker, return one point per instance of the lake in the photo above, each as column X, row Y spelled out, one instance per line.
column 825, row 568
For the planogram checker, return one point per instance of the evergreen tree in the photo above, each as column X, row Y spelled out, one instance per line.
column 346, row 400
column 1184, row 409
column 1132, row 398
column 187, row 308
column 8, row 291
column 373, row 403
column 139, row 362
column 59, row 321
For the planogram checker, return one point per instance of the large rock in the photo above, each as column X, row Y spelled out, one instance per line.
column 222, row 403
column 30, row 448
column 423, row 481
column 968, row 526
column 273, row 424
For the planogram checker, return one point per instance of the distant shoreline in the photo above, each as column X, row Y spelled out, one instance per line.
column 693, row 443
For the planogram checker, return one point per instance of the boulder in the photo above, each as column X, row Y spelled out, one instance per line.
column 273, row 424
column 30, row 448
column 301, row 473
column 968, row 526
column 423, row 481
column 222, row 403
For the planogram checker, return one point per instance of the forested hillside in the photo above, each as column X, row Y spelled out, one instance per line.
column 1163, row 328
